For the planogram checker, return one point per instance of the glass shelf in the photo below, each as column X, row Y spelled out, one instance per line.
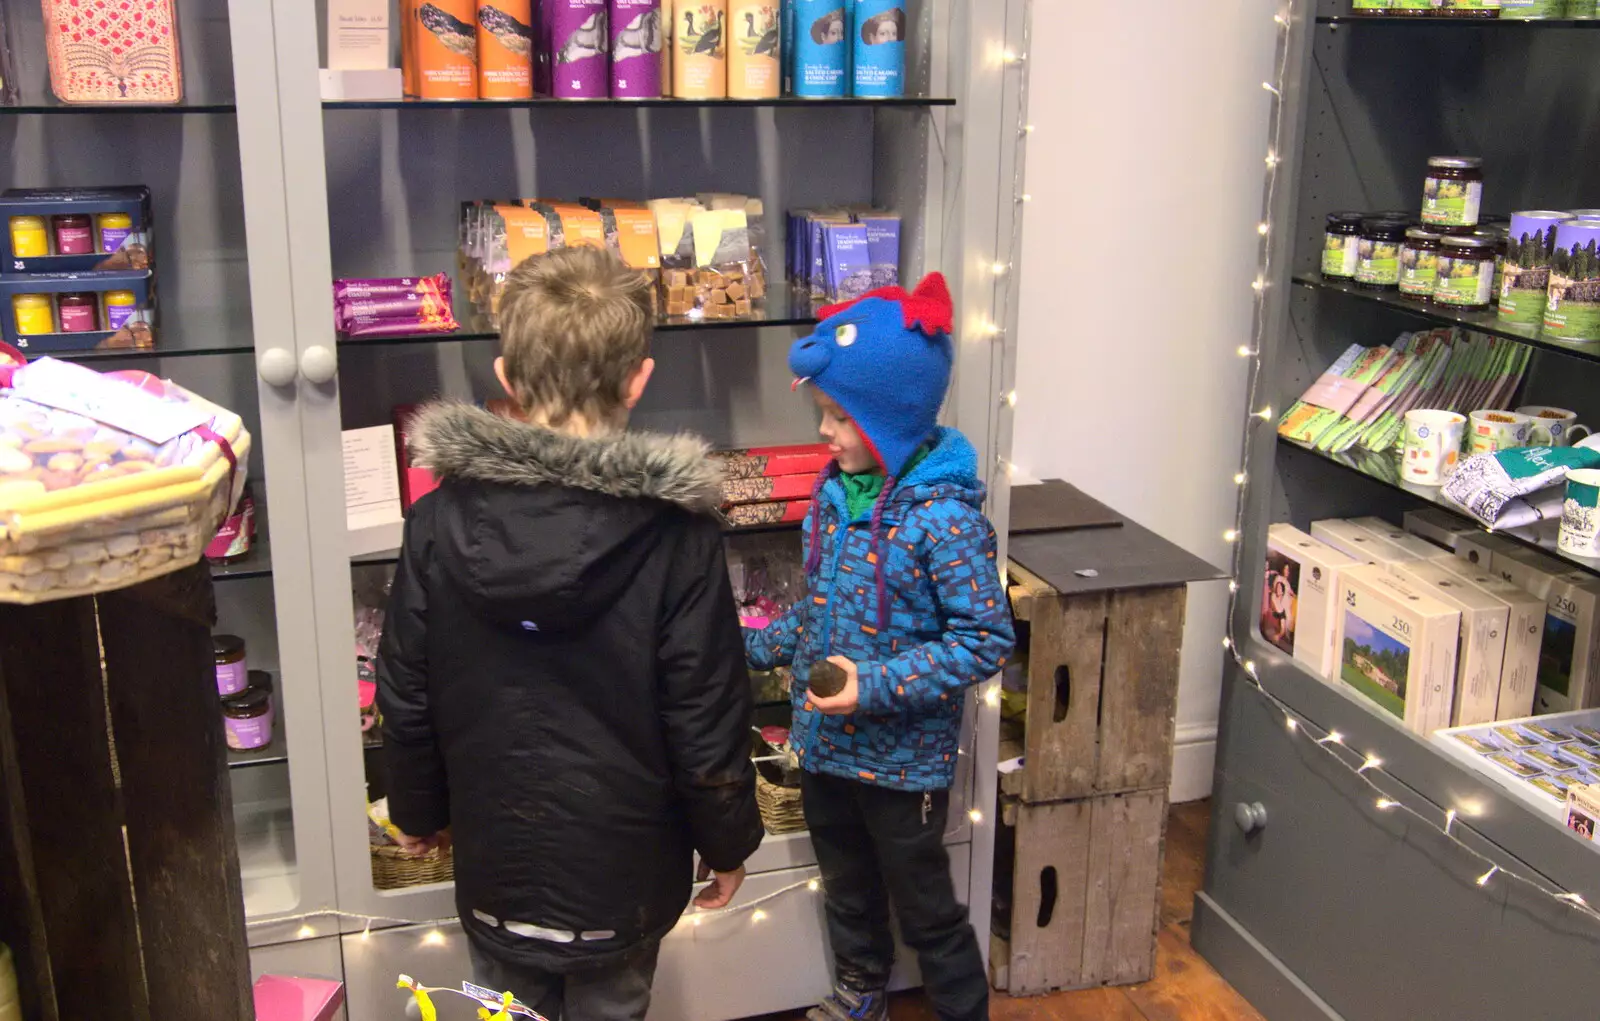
column 913, row 102
column 779, row 313
column 1483, row 322
column 118, row 109
column 1385, row 468
column 1519, row 23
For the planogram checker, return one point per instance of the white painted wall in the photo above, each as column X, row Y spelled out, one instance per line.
column 1150, row 128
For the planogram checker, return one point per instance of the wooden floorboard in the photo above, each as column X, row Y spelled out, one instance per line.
column 1185, row 988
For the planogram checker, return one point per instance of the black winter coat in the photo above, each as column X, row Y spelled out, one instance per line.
column 563, row 684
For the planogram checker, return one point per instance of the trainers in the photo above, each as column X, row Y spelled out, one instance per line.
column 851, row 1005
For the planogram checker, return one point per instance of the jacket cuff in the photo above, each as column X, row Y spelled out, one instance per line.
column 875, row 689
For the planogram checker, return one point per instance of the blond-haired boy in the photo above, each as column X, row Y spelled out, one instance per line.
column 561, row 676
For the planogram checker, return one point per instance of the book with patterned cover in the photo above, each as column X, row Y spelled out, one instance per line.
column 113, row 52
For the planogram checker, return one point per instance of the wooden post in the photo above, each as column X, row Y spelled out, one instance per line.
column 114, row 768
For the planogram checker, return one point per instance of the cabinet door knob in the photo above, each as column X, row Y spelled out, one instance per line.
column 276, row 366
column 1250, row 816
column 319, row 364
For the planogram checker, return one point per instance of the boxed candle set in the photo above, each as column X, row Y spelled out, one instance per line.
column 43, row 312
column 71, row 230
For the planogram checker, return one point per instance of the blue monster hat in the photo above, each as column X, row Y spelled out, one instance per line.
column 885, row 358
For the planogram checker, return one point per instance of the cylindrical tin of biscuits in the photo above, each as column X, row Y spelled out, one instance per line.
column 447, row 49
column 636, row 34
column 753, row 48
column 505, row 49
column 700, row 57
column 821, row 50
column 580, row 48
column 879, row 65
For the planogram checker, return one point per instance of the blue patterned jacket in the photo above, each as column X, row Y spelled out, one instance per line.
column 949, row 626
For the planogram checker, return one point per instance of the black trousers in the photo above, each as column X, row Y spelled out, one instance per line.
column 620, row 992
column 875, row 845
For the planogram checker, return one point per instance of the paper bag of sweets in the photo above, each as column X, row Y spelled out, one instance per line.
column 108, row 480
column 709, row 268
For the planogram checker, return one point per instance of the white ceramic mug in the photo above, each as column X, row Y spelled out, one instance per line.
column 1580, row 514
column 1432, row 446
column 1492, row 430
column 1553, row 427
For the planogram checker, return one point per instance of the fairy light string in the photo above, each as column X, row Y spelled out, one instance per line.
column 1364, row 766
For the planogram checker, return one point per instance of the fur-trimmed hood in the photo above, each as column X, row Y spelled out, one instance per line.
column 462, row 441
column 537, row 529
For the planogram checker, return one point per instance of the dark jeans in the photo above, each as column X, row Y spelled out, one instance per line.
column 875, row 845
column 620, row 992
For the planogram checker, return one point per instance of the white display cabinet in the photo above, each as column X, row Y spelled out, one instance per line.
column 263, row 194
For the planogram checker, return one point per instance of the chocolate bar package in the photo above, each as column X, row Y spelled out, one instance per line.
column 781, row 512
column 756, row 462
column 768, row 487
column 883, row 248
column 847, row 263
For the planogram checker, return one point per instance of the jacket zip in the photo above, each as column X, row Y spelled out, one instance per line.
column 927, row 806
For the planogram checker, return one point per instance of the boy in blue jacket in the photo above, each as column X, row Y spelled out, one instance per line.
column 905, row 597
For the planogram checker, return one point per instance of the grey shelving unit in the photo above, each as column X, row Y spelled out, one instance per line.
column 1337, row 908
column 263, row 194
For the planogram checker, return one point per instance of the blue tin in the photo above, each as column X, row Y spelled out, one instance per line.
column 878, row 38
column 821, row 50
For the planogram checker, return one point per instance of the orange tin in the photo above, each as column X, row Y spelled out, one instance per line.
column 408, row 49
column 505, row 49
column 753, row 49
column 446, row 46
column 700, row 58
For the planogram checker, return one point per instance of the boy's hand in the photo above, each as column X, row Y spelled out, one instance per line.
column 419, row 846
column 723, row 886
column 848, row 700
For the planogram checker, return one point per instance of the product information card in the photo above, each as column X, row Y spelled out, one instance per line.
column 371, row 480
column 358, row 35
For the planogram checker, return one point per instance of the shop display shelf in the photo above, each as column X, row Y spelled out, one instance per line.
column 118, row 109
column 903, row 102
column 1482, row 322
column 1517, row 24
column 781, row 314
column 1385, row 468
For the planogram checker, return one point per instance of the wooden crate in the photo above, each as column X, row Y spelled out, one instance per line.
column 1085, row 893
column 117, row 856
column 1102, row 690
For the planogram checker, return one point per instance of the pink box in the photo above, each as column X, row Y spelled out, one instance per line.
column 279, row 998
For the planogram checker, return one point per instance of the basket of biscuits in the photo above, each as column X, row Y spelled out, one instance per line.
column 107, row 480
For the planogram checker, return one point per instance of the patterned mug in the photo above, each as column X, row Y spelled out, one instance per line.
column 1553, row 427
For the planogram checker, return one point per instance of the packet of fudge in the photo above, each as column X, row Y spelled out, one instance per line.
column 847, row 262
column 883, row 248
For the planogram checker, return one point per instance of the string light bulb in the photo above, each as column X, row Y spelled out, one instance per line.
column 1263, row 227
column 1372, row 762
column 1384, row 804
column 1483, row 880
column 1245, row 351
column 991, row 698
column 1227, row 643
column 1449, row 821
column 1258, row 285
column 1011, row 398
column 1231, row 535
column 434, row 938
column 1334, row 737
column 1011, row 57
column 1572, row 898
column 1291, row 724
column 999, row 269
column 814, row 885
column 305, row 932
column 758, row 915
column 1233, row 586
column 366, row 932
column 975, row 815
column 1264, row 414
column 1240, row 478
column 1272, row 158
column 1271, row 88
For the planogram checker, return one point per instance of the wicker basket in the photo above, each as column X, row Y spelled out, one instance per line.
column 781, row 811
column 394, row 869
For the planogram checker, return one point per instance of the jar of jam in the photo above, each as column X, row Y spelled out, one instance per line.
column 120, row 306
column 260, row 680
column 1466, row 272
column 1470, row 9
column 1340, row 244
column 113, row 229
column 74, row 234
column 1498, row 235
column 1419, row 262
column 80, row 313
column 1413, row 8
column 1378, row 257
column 34, row 314
column 30, row 238
column 1370, row 7
column 247, row 719
column 233, row 676
column 1452, row 194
